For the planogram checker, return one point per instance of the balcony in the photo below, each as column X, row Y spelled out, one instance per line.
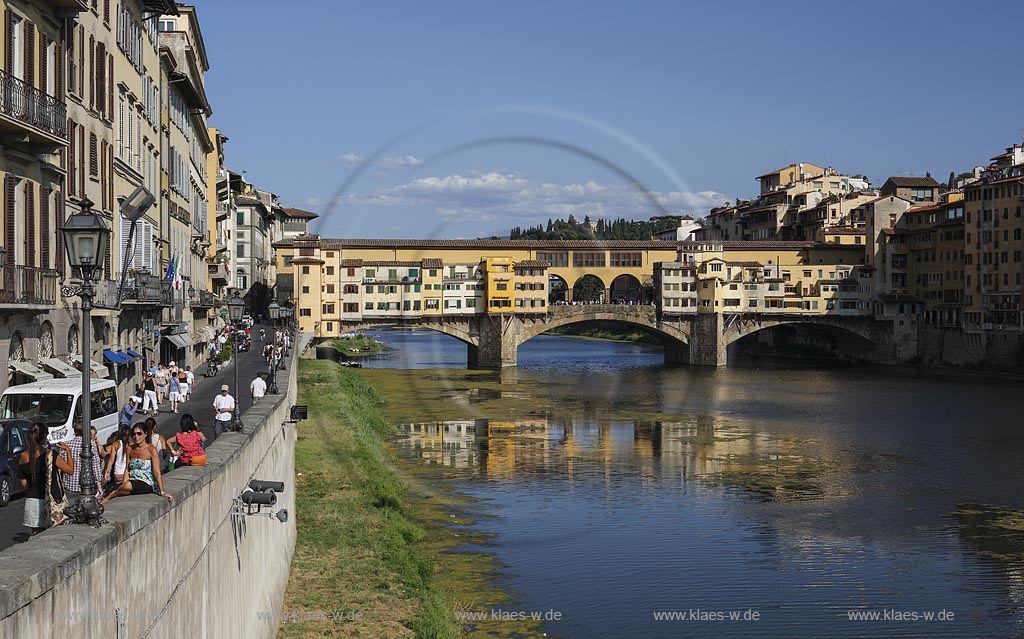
column 223, row 210
column 149, row 290
column 25, row 109
column 28, row 288
column 75, row 6
column 203, row 299
column 218, row 273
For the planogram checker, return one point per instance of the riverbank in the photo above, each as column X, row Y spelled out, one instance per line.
column 357, row 568
column 383, row 548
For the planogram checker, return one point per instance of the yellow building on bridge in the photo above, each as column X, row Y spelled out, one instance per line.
column 340, row 281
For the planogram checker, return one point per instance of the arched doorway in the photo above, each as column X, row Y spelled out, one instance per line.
column 557, row 289
column 626, row 289
column 73, row 340
column 588, row 288
column 45, row 341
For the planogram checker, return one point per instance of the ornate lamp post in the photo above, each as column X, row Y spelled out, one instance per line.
column 274, row 310
column 236, row 306
column 86, row 237
column 275, row 314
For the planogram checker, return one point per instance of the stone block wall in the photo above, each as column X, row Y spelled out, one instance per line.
column 159, row 570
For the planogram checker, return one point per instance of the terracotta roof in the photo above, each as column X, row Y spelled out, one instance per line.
column 390, row 263
column 526, row 244
column 844, row 230
column 307, row 260
column 299, row 213
column 900, row 180
column 982, row 183
column 531, row 264
column 432, row 262
column 752, row 244
column 745, row 264
column 350, row 263
column 247, row 200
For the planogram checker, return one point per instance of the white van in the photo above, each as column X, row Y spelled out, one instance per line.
column 56, row 401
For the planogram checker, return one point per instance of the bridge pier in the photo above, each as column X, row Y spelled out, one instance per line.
column 707, row 341
column 499, row 342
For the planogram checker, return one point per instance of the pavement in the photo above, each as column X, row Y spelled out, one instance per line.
column 200, row 406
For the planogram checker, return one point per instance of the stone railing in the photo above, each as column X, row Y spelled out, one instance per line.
column 158, row 569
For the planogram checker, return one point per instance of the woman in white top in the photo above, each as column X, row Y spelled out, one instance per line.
column 117, row 461
column 158, row 442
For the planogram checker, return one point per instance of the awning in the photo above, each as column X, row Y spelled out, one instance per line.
column 97, row 369
column 133, row 353
column 181, row 340
column 60, row 367
column 114, row 358
column 209, row 334
column 29, row 369
column 127, row 357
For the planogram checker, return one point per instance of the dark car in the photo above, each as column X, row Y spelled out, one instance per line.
column 13, row 440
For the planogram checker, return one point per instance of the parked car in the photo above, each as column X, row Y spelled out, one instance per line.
column 57, row 402
column 13, row 440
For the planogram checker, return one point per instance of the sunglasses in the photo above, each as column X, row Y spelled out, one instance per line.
column 137, row 432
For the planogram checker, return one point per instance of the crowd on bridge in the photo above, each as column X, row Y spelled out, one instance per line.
column 601, row 302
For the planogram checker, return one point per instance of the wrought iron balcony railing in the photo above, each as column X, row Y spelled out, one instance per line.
column 149, row 289
column 27, row 285
column 27, row 104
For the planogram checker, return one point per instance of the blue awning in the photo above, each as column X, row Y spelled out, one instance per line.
column 133, row 353
column 113, row 357
column 127, row 357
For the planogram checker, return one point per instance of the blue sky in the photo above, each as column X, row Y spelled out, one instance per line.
column 463, row 119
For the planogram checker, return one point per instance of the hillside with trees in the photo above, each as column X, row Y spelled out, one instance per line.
column 573, row 229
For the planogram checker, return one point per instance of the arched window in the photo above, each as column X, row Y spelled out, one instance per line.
column 45, row 341
column 73, row 340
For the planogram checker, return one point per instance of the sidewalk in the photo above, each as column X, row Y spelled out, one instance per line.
column 200, row 406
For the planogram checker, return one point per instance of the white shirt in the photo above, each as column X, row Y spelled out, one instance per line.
column 223, row 401
column 258, row 387
column 190, row 377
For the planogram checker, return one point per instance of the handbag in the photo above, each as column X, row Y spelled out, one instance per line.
column 54, row 507
column 197, row 460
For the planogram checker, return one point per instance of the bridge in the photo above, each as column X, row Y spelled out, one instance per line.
column 699, row 339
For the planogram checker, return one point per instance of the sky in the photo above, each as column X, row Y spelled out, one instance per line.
column 464, row 119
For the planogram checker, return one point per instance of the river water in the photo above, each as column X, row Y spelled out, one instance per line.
column 787, row 494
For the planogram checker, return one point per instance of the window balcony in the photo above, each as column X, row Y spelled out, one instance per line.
column 28, row 288
column 149, row 290
column 218, row 273
column 203, row 299
column 25, row 109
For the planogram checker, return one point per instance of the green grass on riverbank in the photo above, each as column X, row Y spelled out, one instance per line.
column 357, row 549
column 358, row 346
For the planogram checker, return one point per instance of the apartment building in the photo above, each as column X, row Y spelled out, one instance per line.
column 993, row 246
column 218, row 215
column 935, row 244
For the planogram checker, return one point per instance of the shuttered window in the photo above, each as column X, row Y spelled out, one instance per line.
column 10, row 218
column 72, row 165
column 44, row 226
column 58, row 252
column 30, row 52
column 139, row 254
column 94, row 162
column 92, row 72
column 30, row 223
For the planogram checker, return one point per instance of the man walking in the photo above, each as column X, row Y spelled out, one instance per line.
column 258, row 388
column 224, row 406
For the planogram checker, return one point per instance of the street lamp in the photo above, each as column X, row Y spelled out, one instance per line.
column 236, row 306
column 86, row 237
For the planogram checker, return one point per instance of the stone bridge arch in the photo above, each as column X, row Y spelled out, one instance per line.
column 856, row 337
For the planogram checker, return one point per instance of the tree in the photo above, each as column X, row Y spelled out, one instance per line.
column 952, row 181
column 927, row 174
column 588, row 289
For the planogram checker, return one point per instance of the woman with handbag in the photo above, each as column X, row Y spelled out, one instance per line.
column 187, row 445
column 36, row 466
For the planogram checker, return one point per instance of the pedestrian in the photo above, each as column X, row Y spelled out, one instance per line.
column 161, row 384
column 144, row 476
column 190, row 379
column 257, row 388
column 224, row 406
column 175, row 392
column 187, row 443
column 150, row 400
column 127, row 415
column 72, row 482
column 33, row 464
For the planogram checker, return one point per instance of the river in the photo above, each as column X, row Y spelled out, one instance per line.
column 767, row 499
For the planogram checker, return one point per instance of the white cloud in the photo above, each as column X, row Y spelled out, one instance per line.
column 394, row 161
column 492, row 196
column 350, row 159
column 312, row 201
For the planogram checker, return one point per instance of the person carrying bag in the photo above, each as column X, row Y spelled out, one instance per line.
column 187, row 444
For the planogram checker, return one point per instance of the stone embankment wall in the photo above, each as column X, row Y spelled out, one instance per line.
column 953, row 347
column 160, row 570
